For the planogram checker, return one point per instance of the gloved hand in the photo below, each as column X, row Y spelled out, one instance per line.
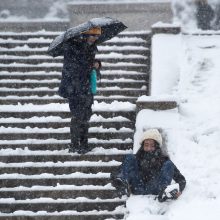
column 170, row 192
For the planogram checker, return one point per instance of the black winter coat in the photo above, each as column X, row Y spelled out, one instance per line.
column 78, row 62
column 151, row 165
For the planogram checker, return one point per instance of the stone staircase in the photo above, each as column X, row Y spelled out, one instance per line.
column 39, row 178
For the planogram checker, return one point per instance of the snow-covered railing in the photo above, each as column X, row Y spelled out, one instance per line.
column 165, row 28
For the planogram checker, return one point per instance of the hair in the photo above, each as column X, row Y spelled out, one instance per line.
column 140, row 152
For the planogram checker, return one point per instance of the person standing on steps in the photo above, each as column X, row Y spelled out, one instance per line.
column 79, row 60
column 149, row 171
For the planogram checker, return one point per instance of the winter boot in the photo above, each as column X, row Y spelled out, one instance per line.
column 121, row 186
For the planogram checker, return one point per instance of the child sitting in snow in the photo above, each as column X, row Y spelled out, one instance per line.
column 149, row 171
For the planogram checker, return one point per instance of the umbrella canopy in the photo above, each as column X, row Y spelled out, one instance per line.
column 56, row 47
column 110, row 27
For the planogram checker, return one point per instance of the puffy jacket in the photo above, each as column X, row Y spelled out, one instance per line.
column 78, row 61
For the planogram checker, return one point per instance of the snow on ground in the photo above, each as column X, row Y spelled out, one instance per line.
column 190, row 75
column 114, row 106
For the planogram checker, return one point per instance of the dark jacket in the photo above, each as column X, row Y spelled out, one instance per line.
column 204, row 15
column 150, row 165
column 78, row 61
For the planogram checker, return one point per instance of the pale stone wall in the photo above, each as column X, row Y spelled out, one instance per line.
column 137, row 16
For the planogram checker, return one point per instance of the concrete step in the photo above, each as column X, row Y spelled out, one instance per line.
column 43, row 101
column 49, row 75
column 27, row 35
column 13, row 52
column 100, row 192
column 30, row 158
column 58, row 124
column 50, row 36
column 45, row 67
column 45, row 92
column 59, row 207
column 51, row 84
column 56, row 170
column 39, row 44
column 37, row 146
column 53, row 182
column 37, row 61
column 28, row 114
column 63, row 136
column 58, row 157
column 72, row 215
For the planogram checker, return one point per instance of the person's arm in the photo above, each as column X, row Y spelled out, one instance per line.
column 179, row 178
column 98, row 65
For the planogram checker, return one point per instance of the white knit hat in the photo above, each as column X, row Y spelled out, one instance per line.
column 152, row 134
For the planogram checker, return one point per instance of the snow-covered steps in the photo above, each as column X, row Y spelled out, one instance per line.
column 26, row 155
column 22, row 134
column 59, row 192
column 36, row 60
column 28, row 114
column 40, row 179
column 78, row 179
column 56, row 145
column 49, row 205
column 43, row 100
column 55, row 75
column 55, row 83
column 52, row 92
column 118, row 213
column 123, row 50
column 51, row 35
column 33, row 168
column 126, row 66
column 57, row 124
column 35, row 43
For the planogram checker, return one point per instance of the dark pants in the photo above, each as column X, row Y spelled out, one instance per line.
column 79, row 132
column 81, row 112
column 130, row 173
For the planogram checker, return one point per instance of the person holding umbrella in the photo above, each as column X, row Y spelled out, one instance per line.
column 78, row 45
column 79, row 59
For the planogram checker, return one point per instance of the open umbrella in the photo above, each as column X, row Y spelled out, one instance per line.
column 110, row 28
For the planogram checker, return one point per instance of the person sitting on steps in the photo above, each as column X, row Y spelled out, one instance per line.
column 149, row 171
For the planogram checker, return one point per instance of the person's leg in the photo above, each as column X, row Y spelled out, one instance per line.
column 85, row 114
column 130, row 173
column 74, row 132
column 162, row 180
column 84, row 128
column 74, row 127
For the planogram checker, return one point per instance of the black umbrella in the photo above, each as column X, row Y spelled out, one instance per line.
column 110, row 28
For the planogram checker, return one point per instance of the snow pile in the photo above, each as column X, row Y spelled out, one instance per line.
column 161, row 43
column 114, row 106
column 191, row 131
